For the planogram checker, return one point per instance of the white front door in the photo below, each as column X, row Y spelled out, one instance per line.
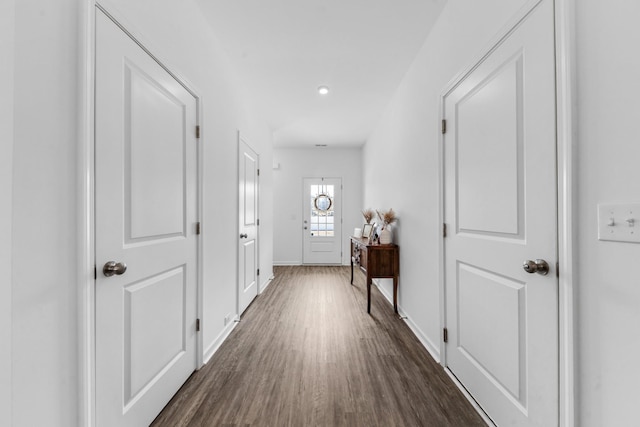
column 145, row 204
column 248, row 173
column 322, row 223
column 500, row 210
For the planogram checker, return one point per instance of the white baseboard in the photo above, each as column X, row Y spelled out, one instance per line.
column 266, row 284
column 287, row 263
column 431, row 347
column 215, row 345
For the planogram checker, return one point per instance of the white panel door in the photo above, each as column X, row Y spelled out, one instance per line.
column 500, row 209
column 322, row 223
column 248, row 175
column 146, row 183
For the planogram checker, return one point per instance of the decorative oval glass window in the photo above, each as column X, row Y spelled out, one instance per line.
column 322, row 202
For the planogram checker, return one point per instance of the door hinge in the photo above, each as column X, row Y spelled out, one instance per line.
column 198, row 228
column 198, row 131
column 95, row 272
column 258, row 272
column 444, row 126
column 258, row 172
column 444, row 230
column 445, row 335
column 197, row 325
column 258, row 222
column 557, row 269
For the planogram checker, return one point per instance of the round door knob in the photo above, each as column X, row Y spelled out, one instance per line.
column 114, row 268
column 539, row 266
column 244, row 236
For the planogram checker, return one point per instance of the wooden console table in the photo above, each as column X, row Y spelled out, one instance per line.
column 379, row 261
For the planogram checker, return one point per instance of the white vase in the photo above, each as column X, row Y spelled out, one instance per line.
column 385, row 237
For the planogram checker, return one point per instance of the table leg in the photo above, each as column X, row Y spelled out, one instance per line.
column 368, row 295
column 352, row 270
column 395, row 294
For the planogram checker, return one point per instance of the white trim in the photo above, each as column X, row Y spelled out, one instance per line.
column 265, row 285
column 215, row 345
column 85, row 214
column 86, row 199
column 567, row 194
column 565, row 40
column 429, row 345
column 287, row 263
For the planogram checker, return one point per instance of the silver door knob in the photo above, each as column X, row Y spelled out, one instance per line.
column 243, row 236
column 539, row 266
column 113, row 267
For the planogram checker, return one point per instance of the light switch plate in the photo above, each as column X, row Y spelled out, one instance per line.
column 619, row 222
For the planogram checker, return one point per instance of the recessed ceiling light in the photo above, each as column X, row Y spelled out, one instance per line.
column 323, row 90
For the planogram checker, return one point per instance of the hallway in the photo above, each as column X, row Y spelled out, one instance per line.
column 307, row 354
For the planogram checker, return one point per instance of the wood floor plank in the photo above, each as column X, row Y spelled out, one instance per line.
column 306, row 353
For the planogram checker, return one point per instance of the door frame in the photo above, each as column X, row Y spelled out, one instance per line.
column 85, row 163
column 566, row 155
column 240, row 140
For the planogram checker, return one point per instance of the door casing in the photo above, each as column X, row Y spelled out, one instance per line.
column 564, row 15
column 86, row 265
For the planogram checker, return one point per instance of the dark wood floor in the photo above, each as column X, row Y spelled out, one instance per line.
column 307, row 354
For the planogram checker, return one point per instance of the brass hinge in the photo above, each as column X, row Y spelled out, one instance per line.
column 198, row 131
column 258, row 272
column 444, row 126
column 445, row 335
column 444, row 230
column 198, row 228
column 197, row 325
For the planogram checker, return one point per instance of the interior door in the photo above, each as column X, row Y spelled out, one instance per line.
column 146, row 249
column 500, row 210
column 248, row 175
column 322, row 223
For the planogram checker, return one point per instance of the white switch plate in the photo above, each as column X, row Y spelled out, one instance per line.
column 619, row 222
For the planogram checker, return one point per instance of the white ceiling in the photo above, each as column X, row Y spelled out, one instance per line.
column 284, row 49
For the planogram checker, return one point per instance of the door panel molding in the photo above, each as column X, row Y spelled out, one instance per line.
column 85, row 237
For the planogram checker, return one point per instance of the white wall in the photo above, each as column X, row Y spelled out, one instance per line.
column 299, row 163
column 44, row 224
column 44, row 251
column 400, row 159
column 7, row 17
column 608, row 66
